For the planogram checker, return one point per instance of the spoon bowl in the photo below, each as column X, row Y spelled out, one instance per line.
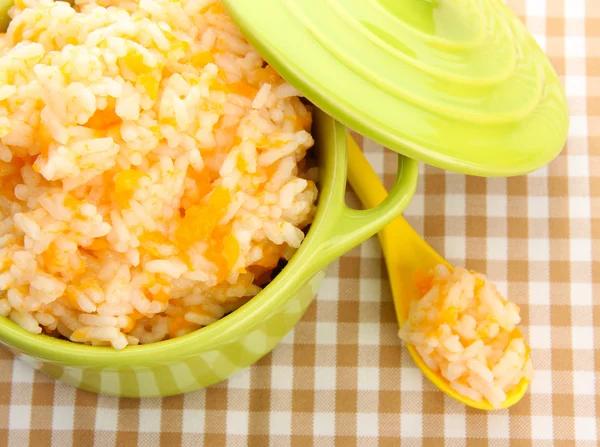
column 405, row 252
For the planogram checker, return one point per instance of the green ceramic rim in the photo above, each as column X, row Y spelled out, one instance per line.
column 335, row 230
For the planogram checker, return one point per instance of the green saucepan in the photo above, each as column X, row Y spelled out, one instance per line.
column 212, row 354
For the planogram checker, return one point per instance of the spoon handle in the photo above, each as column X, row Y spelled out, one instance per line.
column 404, row 250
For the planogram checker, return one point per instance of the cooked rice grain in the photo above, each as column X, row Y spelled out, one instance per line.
column 466, row 331
column 150, row 169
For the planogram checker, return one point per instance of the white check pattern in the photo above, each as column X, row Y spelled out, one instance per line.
column 342, row 378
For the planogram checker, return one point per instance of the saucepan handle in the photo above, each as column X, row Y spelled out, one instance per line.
column 345, row 228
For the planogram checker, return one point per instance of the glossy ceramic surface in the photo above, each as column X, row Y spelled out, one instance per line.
column 212, row 354
column 458, row 84
column 5, row 5
column 406, row 252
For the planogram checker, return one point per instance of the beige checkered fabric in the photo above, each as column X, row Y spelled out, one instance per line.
column 342, row 378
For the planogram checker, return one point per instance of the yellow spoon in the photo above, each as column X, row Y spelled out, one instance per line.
column 406, row 252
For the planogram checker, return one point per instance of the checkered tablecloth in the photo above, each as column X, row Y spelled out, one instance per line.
column 342, row 378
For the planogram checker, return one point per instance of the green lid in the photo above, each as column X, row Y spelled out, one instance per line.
column 458, row 84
